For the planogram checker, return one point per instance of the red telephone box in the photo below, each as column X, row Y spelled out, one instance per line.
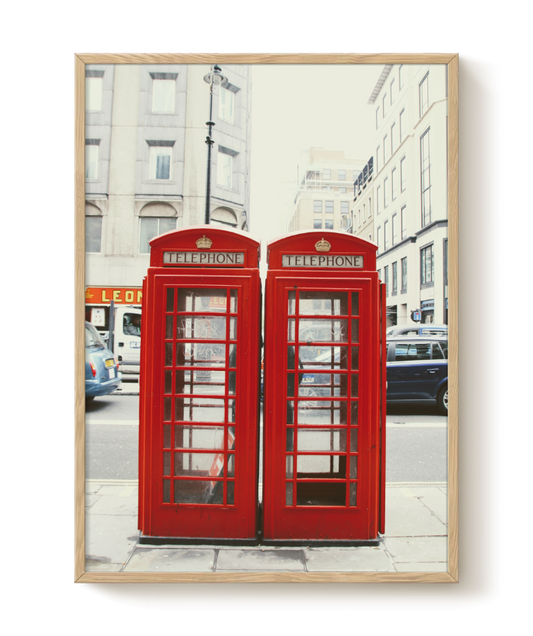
column 324, row 398
column 199, row 387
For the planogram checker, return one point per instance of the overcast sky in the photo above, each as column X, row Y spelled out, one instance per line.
column 296, row 107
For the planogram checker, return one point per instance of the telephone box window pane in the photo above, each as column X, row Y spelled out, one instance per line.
column 233, row 328
column 166, row 464
column 167, row 404
column 233, row 355
column 355, row 358
column 200, row 410
column 201, row 328
column 231, row 411
column 323, row 330
column 202, row 300
column 311, row 465
column 231, row 465
column 321, row 494
column 170, row 299
column 204, row 382
column 355, row 413
column 290, row 439
column 292, row 330
column 355, row 303
column 192, row 354
column 355, row 330
column 169, row 327
column 290, row 384
column 230, row 498
column 198, row 464
column 353, row 440
column 168, row 354
column 323, row 357
column 321, row 413
column 322, row 440
column 232, row 382
column 199, row 437
column 166, row 436
column 353, row 467
column 166, row 491
column 168, row 382
column 353, row 494
column 233, row 301
column 320, row 303
column 197, row 491
column 322, row 385
column 290, row 467
column 355, row 385
column 288, row 493
column 292, row 303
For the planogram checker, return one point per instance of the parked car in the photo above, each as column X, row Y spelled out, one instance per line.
column 101, row 369
column 417, row 370
column 424, row 329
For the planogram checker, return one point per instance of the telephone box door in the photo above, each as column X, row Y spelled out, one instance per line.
column 200, row 399
column 323, row 390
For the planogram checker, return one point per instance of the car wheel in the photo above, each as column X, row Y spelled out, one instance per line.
column 442, row 401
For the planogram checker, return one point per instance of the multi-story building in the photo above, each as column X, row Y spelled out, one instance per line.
column 324, row 190
column 400, row 200
column 146, row 165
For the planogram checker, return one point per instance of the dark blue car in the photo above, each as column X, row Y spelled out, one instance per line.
column 101, row 370
column 417, row 370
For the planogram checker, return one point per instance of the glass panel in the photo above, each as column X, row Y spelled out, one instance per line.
column 166, row 464
column 198, row 491
column 321, row 494
column 168, row 382
column 170, row 299
column 288, row 494
column 200, row 410
column 290, row 439
column 355, row 303
column 168, row 354
column 233, row 328
column 167, row 409
column 322, row 330
column 166, row 436
column 353, row 467
column 232, row 382
column 202, row 300
column 355, row 413
column 320, row 303
column 322, row 440
column 191, row 354
column 231, row 411
column 199, row 464
column 169, row 329
column 322, row 385
column 166, row 491
column 353, row 494
column 309, row 465
column 290, row 357
column 323, row 357
column 291, row 336
column 290, row 412
column 199, row 437
column 289, row 470
column 204, row 382
column 353, row 440
column 231, row 465
column 292, row 303
column 355, row 385
column 201, row 328
column 355, row 358
column 231, row 493
column 322, row 413
column 355, row 330
column 290, row 384
column 232, row 355
column 233, row 301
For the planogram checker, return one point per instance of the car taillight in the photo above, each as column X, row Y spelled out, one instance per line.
column 93, row 369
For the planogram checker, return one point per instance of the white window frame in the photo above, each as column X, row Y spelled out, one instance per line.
column 423, row 95
column 225, row 176
column 94, row 87
column 167, row 105
column 403, row 221
column 159, row 231
column 92, row 158
column 403, row 175
column 394, row 229
column 393, row 184
column 226, row 105
column 160, row 151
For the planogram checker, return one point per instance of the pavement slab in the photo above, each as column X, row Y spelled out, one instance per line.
column 417, row 549
column 259, row 560
column 360, row 559
column 171, row 560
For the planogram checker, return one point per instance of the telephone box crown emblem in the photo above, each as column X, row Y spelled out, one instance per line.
column 204, row 243
column 323, row 246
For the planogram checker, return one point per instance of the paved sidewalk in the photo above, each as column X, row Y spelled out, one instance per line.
column 415, row 539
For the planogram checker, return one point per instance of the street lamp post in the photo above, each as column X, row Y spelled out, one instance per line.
column 213, row 78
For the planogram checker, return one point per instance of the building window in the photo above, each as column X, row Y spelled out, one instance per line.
column 326, row 174
column 379, row 239
column 385, row 235
column 403, row 221
column 317, row 215
column 342, row 175
column 377, row 117
column 329, row 214
column 364, row 211
column 92, row 149
column 392, row 89
column 426, row 265
column 403, row 174
column 386, row 192
column 395, row 278
column 225, row 168
column 384, row 103
column 163, row 94
column 385, row 149
column 151, row 227
column 386, row 278
column 160, row 161
column 394, row 228
column 226, row 105
column 93, row 234
column 94, row 81
column 402, row 125
column 404, row 275
column 392, row 142
column 369, row 207
column 425, row 178
column 423, row 93
column 393, row 180
column 345, row 207
column 378, row 199
column 377, row 159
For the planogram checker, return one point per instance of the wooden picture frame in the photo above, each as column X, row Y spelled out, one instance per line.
column 472, row 492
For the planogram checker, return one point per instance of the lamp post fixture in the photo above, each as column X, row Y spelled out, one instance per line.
column 213, row 78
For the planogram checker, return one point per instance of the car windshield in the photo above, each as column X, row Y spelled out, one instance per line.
column 92, row 337
column 132, row 324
